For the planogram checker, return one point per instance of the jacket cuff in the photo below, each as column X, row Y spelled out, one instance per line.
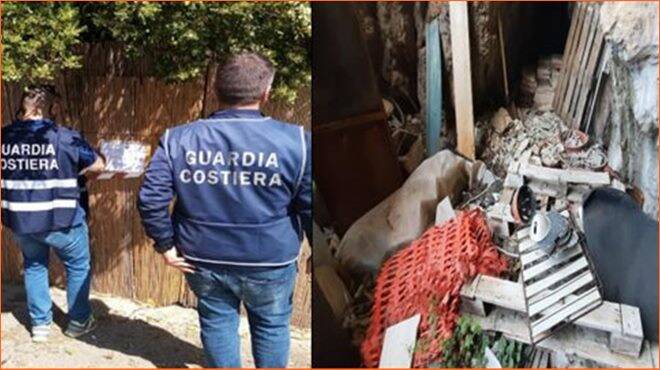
column 164, row 245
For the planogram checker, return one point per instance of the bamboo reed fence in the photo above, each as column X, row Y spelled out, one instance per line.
column 112, row 98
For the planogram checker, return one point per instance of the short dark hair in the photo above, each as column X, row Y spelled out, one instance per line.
column 41, row 97
column 244, row 78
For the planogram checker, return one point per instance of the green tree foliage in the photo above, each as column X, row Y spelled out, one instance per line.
column 38, row 40
column 177, row 39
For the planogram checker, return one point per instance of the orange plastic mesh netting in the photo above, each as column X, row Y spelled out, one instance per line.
column 426, row 278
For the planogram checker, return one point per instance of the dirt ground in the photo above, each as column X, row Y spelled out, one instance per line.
column 129, row 335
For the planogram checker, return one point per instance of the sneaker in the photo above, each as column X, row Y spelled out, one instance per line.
column 40, row 333
column 77, row 329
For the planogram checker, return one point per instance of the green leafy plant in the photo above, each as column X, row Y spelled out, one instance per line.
column 38, row 40
column 178, row 40
column 466, row 348
column 511, row 354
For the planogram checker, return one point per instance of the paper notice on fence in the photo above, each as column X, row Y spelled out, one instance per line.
column 126, row 157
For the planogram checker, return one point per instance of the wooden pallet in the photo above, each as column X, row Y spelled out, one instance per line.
column 576, row 88
column 618, row 324
column 558, row 288
column 572, row 340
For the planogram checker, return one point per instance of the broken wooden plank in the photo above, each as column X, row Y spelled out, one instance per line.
column 557, row 175
column 462, row 77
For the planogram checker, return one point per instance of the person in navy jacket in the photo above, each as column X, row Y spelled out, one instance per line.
column 242, row 188
column 41, row 203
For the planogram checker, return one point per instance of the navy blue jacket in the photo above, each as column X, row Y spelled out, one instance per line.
column 40, row 165
column 243, row 190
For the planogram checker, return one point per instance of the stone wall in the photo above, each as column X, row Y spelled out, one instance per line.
column 631, row 95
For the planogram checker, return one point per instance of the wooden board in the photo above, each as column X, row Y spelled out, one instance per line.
column 399, row 344
column 575, row 92
column 433, row 88
column 588, row 88
column 560, row 90
column 462, row 77
column 558, row 176
column 575, row 62
column 588, row 32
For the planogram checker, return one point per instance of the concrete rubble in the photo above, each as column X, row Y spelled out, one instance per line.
column 540, row 135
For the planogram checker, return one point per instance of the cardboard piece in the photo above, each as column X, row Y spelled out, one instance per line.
column 399, row 344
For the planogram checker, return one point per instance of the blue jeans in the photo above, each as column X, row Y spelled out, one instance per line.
column 72, row 247
column 267, row 294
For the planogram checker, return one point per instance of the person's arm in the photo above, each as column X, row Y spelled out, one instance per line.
column 97, row 166
column 303, row 199
column 156, row 193
column 88, row 159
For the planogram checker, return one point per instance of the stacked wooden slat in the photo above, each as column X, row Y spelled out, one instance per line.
column 558, row 288
column 582, row 54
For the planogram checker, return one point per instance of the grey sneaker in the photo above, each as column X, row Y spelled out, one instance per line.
column 40, row 333
column 77, row 329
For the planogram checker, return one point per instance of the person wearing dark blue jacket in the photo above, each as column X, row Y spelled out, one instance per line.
column 242, row 184
column 41, row 203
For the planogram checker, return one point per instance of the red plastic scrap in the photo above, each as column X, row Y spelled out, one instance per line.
column 426, row 278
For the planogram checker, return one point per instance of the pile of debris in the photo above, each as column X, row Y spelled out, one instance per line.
column 529, row 187
column 539, row 134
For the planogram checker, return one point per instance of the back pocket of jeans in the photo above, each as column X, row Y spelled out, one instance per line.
column 200, row 282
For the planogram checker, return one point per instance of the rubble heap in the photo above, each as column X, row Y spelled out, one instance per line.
column 540, row 134
column 508, row 139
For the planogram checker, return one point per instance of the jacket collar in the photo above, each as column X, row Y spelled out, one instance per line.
column 236, row 113
column 34, row 123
